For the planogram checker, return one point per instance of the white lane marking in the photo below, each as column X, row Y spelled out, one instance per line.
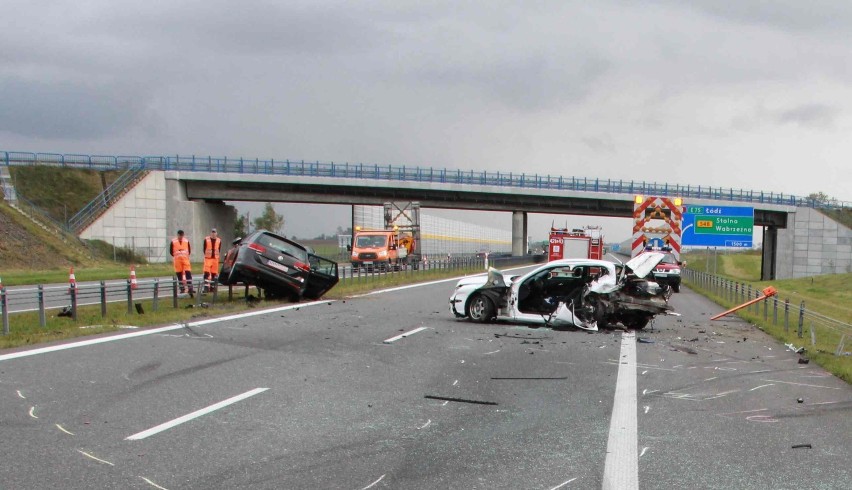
column 563, row 484
column 124, row 336
column 149, row 482
column 32, row 413
column 63, row 429
column 425, row 425
column 801, row 384
column 761, row 386
column 84, row 453
column 403, row 335
column 193, row 415
column 644, row 449
column 621, row 469
column 21, row 395
column 374, row 483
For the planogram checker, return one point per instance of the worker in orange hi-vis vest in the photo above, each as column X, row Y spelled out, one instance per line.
column 180, row 250
column 212, row 252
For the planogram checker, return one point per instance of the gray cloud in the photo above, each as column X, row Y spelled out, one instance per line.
column 812, row 116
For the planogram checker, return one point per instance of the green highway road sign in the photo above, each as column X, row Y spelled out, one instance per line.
column 718, row 226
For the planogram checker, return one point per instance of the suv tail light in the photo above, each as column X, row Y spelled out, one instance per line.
column 257, row 247
column 303, row 266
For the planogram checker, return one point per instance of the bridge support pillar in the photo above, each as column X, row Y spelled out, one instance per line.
column 196, row 218
column 519, row 233
column 770, row 253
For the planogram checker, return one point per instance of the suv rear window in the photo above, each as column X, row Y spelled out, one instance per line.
column 283, row 246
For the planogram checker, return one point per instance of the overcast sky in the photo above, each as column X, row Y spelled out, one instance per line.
column 746, row 94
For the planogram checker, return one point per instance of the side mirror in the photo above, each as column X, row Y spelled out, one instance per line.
column 237, row 241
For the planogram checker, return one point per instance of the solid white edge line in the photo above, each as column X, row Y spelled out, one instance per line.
column 193, row 415
column 112, row 338
column 403, row 335
column 621, row 469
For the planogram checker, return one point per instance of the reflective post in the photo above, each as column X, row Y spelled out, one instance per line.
column 42, row 319
column 103, row 300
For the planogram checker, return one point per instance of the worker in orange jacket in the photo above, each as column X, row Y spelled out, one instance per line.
column 180, row 249
column 212, row 252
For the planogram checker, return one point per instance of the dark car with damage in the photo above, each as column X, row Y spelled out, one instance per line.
column 280, row 267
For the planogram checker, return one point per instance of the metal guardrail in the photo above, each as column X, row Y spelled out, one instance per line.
column 164, row 292
column 797, row 316
column 410, row 174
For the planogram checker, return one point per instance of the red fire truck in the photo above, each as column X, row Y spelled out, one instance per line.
column 578, row 243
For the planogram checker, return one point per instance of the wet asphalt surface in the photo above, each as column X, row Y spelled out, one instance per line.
column 455, row 405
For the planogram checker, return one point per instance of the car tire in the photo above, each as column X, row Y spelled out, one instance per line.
column 676, row 288
column 480, row 309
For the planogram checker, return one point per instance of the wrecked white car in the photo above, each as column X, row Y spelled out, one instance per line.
column 583, row 293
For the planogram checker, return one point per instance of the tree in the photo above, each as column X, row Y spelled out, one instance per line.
column 269, row 220
column 241, row 226
column 821, row 198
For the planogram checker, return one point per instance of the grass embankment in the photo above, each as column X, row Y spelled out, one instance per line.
column 828, row 295
column 25, row 329
column 61, row 192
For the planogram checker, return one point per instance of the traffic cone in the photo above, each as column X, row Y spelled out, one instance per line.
column 133, row 284
column 72, row 281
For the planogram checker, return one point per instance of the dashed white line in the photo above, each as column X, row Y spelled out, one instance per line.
column 99, row 460
column 621, row 468
column 563, row 484
column 403, row 335
column 193, row 415
column 63, row 429
column 374, row 483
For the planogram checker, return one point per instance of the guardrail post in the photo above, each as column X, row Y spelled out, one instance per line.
column 103, row 299
column 42, row 319
column 786, row 316
column 813, row 334
column 155, row 300
column 4, row 305
column 775, row 310
column 74, row 303
column 129, row 298
column 174, row 293
column 801, row 318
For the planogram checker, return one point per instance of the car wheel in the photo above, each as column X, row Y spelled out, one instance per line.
column 676, row 288
column 480, row 309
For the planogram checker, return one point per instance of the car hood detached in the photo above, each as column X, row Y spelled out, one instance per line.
column 643, row 264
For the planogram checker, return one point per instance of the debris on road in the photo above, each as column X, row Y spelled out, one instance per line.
column 460, row 400
column 797, row 350
column 645, row 340
column 800, row 400
column 802, row 446
column 802, row 360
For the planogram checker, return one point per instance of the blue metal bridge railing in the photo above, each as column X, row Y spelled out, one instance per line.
column 409, row 173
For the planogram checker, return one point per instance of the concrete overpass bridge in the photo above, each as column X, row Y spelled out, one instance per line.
column 166, row 193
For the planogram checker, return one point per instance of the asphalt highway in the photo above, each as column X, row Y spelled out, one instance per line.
column 390, row 391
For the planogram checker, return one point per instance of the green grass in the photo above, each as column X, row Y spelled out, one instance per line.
column 25, row 328
column 107, row 271
column 61, row 192
column 827, row 295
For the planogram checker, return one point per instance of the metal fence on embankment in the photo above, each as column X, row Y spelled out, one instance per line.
column 164, row 292
column 793, row 321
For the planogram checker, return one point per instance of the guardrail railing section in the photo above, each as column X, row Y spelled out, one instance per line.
column 816, row 330
column 411, row 173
